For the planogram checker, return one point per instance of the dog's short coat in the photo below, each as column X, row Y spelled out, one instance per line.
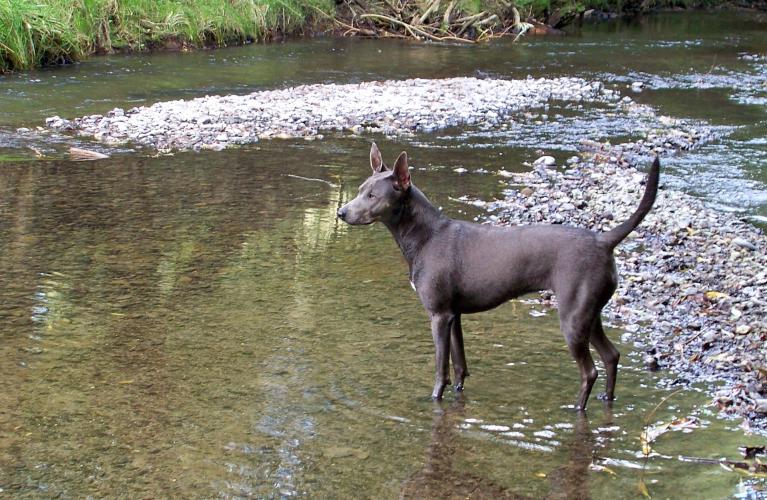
column 458, row 267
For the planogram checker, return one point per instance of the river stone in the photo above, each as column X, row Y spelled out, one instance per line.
column 546, row 161
column 743, row 243
column 651, row 362
column 742, row 329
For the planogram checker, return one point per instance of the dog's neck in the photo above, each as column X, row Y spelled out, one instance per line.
column 413, row 223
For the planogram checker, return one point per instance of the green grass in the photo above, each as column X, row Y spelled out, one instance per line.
column 36, row 33
column 41, row 32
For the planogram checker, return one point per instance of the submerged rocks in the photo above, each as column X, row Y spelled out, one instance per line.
column 390, row 107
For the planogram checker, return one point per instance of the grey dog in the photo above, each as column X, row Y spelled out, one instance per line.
column 459, row 267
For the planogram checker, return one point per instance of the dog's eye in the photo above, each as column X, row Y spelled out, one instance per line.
column 371, row 195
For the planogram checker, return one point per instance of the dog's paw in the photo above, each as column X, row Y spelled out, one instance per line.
column 603, row 396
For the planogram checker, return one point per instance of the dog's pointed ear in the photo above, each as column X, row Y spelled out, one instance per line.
column 376, row 162
column 402, row 172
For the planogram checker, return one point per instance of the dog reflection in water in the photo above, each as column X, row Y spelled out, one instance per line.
column 443, row 477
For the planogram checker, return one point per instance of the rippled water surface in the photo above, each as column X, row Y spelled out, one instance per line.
column 200, row 325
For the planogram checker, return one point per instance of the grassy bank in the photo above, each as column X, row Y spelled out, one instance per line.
column 41, row 32
column 36, row 33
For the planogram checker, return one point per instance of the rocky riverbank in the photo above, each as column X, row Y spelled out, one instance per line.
column 390, row 107
column 692, row 293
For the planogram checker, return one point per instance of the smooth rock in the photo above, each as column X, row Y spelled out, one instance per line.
column 742, row 329
column 743, row 243
column 546, row 161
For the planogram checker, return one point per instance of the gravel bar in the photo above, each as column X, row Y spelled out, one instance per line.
column 389, row 107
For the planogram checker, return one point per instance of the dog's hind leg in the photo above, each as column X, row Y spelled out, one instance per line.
column 460, row 369
column 580, row 351
column 610, row 357
column 576, row 330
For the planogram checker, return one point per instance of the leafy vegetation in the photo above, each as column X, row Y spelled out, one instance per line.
column 36, row 33
column 41, row 32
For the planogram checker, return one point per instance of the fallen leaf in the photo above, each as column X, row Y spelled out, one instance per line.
column 651, row 433
column 684, row 423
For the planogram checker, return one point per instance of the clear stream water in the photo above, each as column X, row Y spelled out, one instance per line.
column 200, row 325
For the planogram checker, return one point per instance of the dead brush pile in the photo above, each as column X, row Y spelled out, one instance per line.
column 434, row 20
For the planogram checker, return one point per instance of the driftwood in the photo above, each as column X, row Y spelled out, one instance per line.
column 79, row 154
column 433, row 20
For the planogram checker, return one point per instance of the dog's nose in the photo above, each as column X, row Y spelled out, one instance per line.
column 341, row 213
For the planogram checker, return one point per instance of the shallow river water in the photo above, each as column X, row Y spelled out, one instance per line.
column 200, row 325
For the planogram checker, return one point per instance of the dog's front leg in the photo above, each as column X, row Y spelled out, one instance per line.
column 457, row 354
column 440, row 332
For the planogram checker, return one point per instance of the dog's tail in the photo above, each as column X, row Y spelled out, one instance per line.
column 614, row 236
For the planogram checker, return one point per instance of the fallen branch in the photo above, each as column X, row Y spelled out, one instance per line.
column 435, row 20
column 411, row 28
column 79, row 154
